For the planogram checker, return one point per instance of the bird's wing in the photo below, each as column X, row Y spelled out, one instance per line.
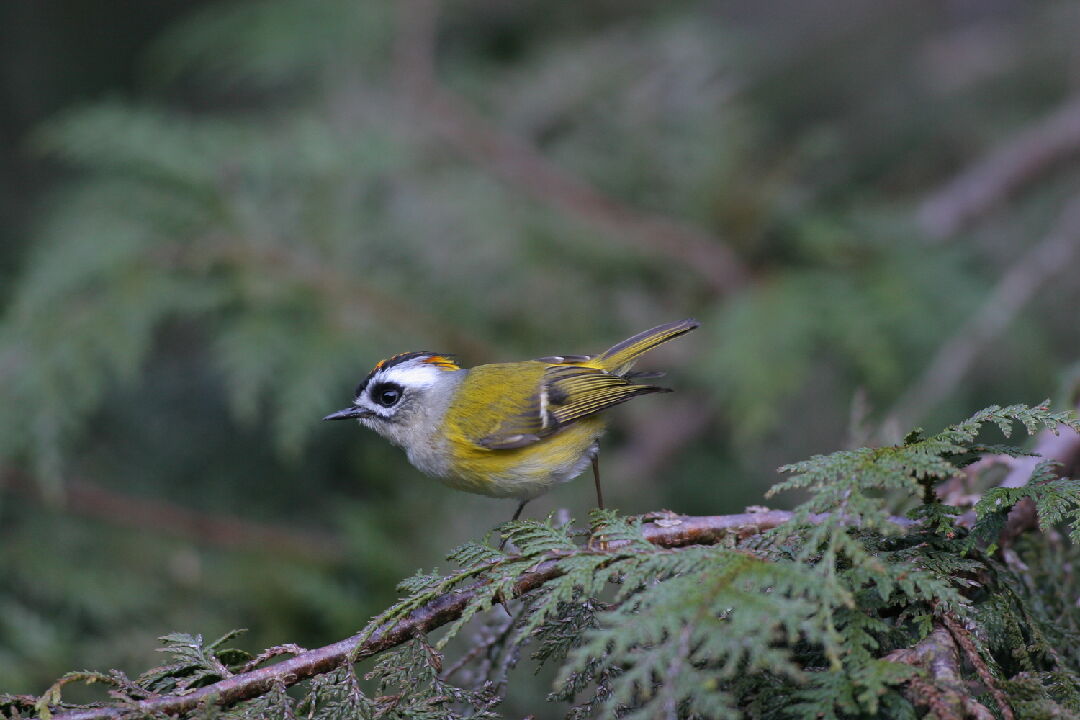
column 566, row 393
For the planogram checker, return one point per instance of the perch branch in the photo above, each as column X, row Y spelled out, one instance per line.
column 519, row 164
column 937, row 653
column 668, row 531
column 1032, row 152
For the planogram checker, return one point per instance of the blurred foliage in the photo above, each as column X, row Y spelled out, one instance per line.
column 234, row 244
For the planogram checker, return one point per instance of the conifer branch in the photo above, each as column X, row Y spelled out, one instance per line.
column 1062, row 447
column 254, row 683
column 665, row 530
column 516, row 162
column 669, row 582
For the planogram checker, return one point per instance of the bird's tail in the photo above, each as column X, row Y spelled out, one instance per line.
column 619, row 358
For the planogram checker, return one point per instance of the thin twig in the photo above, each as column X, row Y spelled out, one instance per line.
column 954, row 359
column 1033, row 151
column 519, row 164
column 485, row 641
column 963, row 639
column 286, row 649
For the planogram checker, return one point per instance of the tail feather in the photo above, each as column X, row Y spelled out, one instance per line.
column 619, row 358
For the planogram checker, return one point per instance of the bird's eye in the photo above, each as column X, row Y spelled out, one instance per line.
column 386, row 394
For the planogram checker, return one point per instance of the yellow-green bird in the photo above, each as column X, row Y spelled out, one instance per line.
column 509, row 430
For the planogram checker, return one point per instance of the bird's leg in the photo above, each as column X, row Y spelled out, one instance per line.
column 517, row 514
column 599, row 494
column 596, row 478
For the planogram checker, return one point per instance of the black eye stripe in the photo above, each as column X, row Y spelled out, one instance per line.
column 386, row 394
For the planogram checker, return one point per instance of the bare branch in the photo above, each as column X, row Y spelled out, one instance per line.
column 1034, row 151
column 671, row 530
column 519, row 164
column 954, row 359
column 277, row 650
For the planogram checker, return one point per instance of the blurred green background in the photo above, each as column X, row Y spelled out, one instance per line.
column 217, row 216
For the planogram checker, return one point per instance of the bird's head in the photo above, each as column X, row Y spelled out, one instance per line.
column 396, row 395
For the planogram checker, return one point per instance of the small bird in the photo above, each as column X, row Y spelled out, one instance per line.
column 506, row 430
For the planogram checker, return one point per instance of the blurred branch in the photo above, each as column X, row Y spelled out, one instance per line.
column 88, row 499
column 1032, row 152
column 664, row 530
column 341, row 293
column 519, row 164
column 954, row 359
column 660, row 435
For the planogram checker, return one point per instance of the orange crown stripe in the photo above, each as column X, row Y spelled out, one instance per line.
column 442, row 362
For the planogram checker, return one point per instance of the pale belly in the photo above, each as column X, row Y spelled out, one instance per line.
column 525, row 473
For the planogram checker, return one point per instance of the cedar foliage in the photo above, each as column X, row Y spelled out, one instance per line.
column 797, row 621
column 296, row 224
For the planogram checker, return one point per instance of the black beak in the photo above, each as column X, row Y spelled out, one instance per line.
column 352, row 412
